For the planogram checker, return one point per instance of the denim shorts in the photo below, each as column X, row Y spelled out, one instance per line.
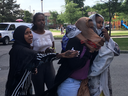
column 69, row 87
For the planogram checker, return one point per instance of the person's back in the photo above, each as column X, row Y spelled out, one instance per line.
column 64, row 42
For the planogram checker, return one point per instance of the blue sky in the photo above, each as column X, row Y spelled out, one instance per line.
column 52, row 5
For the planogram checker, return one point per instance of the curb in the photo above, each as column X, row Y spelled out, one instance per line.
column 123, row 51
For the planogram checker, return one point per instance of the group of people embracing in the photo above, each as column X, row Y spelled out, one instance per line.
column 84, row 61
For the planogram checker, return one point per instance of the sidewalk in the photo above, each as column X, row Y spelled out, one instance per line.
column 56, row 33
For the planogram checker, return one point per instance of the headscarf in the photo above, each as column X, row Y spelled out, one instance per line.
column 19, row 36
column 83, row 25
column 21, row 58
column 93, row 17
column 100, row 66
column 72, row 31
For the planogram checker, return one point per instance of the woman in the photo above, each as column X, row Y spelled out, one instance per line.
column 67, row 82
column 99, row 82
column 42, row 40
column 99, row 77
column 23, row 61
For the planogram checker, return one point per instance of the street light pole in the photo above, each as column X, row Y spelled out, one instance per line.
column 42, row 6
column 109, row 18
column 82, row 11
column 33, row 12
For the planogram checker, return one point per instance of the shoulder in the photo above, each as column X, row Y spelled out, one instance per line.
column 34, row 33
column 48, row 31
column 74, row 42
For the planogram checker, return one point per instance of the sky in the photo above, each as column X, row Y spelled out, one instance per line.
column 48, row 5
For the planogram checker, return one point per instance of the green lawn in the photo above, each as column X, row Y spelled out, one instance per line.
column 122, row 42
column 58, row 36
column 119, row 33
column 113, row 33
column 54, row 30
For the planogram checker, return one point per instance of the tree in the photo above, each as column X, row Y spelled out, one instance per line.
column 79, row 2
column 53, row 17
column 20, row 14
column 8, row 10
column 124, row 8
column 86, row 9
column 71, row 14
column 108, row 9
column 27, row 16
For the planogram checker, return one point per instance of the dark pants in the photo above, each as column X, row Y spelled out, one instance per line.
column 45, row 75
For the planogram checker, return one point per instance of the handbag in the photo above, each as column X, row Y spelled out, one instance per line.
column 83, row 90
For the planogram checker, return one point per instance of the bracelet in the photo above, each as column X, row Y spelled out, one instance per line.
column 52, row 48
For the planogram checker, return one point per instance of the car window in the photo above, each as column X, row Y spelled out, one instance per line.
column 4, row 26
column 12, row 27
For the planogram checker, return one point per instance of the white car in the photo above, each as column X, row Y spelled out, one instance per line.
column 7, row 30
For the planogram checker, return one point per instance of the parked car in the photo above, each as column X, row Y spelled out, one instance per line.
column 7, row 30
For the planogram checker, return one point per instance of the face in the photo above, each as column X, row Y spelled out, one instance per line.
column 99, row 22
column 28, row 36
column 40, row 21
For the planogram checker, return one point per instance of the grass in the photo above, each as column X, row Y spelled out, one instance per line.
column 58, row 36
column 54, row 30
column 119, row 33
column 122, row 42
column 113, row 33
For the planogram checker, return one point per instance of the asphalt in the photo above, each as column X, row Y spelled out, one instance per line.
column 118, row 68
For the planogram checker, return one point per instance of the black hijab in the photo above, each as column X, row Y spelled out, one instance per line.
column 21, row 58
column 19, row 36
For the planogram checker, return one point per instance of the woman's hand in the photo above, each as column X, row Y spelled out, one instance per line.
column 68, row 54
column 106, row 35
column 50, row 50
column 101, row 42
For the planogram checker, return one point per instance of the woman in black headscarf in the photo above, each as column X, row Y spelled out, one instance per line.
column 23, row 61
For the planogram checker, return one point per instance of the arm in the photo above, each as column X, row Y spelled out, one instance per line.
column 49, row 57
column 53, row 44
column 72, row 31
column 112, row 45
column 77, row 62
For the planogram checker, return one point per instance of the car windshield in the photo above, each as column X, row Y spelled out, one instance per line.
column 3, row 26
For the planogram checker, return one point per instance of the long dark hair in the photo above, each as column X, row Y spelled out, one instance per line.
column 34, row 27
